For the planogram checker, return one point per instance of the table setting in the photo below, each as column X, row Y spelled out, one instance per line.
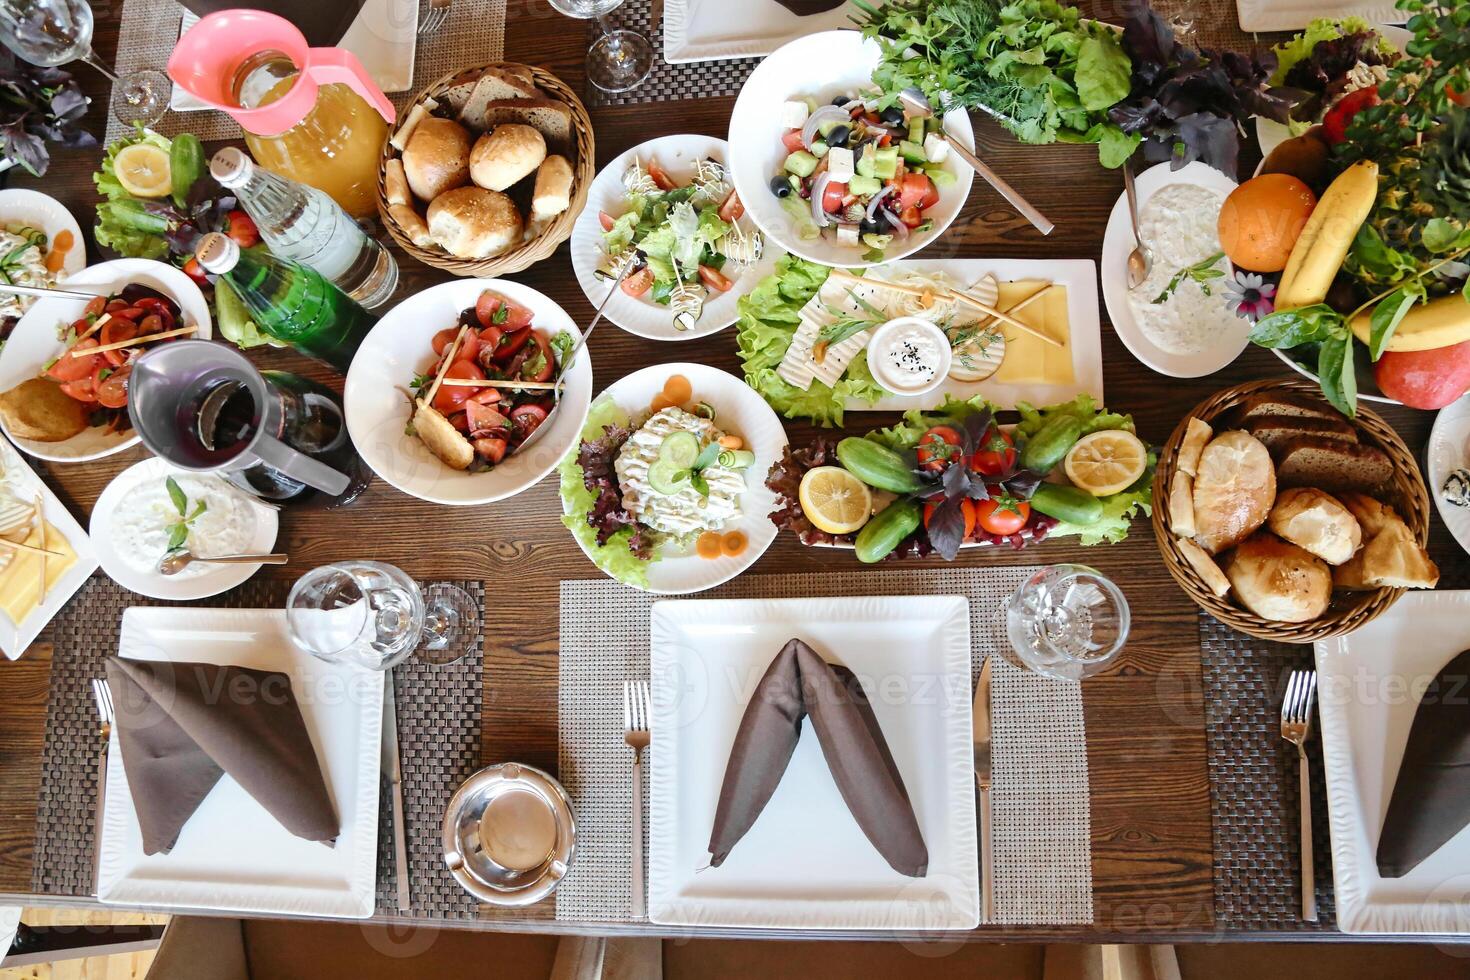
column 307, row 386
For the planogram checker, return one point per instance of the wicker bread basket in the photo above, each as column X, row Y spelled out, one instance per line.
column 1349, row 610
column 558, row 231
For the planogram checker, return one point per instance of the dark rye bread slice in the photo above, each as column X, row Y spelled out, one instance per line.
column 495, row 84
column 1276, row 431
column 1280, row 403
column 1333, row 465
column 552, row 118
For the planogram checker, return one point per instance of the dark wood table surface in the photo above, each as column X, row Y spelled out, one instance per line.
column 1151, row 837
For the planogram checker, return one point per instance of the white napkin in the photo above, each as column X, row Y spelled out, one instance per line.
column 1293, row 15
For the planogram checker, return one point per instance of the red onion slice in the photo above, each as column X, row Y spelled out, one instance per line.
column 878, row 200
column 819, row 189
column 899, row 228
column 827, row 113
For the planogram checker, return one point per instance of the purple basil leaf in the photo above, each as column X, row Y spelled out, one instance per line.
column 947, row 528
column 1023, row 484
column 973, row 430
column 978, row 490
column 1211, row 139
column 956, row 479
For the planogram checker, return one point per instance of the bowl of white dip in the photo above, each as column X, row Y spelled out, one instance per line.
column 1175, row 323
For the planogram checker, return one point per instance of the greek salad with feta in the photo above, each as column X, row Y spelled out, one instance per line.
column 857, row 174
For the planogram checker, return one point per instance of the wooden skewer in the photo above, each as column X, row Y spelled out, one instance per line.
column 41, row 524
column 444, row 368
column 1004, row 317
column 135, row 342
column 30, row 548
column 96, row 325
column 966, row 298
column 498, row 383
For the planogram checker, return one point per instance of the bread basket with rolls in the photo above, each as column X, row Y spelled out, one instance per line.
column 488, row 169
column 1287, row 520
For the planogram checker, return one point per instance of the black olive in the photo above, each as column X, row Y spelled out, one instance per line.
column 869, row 226
column 780, row 186
column 893, row 115
column 841, row 100
column 839, row 136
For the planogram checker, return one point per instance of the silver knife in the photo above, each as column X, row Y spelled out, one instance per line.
column 394, row 765
column 981, row 739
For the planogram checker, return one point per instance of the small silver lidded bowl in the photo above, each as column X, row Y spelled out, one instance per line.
column 509, row 834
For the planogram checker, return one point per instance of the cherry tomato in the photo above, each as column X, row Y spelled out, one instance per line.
column 996, row 455
column 526, row 418
column 450, row 397
column 916, row 191
column 82, row 389
column 639, row 282
column 660, row 176
column 911, row 217
column 492, row 449
column 732, row 209
column 487, row 311
column 967, row 508
column 486, row 396
column 113, row 305
column 119, row 329
column 469, row 347
column 485, row 421
column 511, row 344
column 443, row 339
column 242, row 229
column 541, row 366
column 607, row 220
column 95, row 306
column 714, row 279
column 938, row 447
column 791, row 139
column 832, row 197
column 69, row 368
column 112, row 391
column 1002, row 513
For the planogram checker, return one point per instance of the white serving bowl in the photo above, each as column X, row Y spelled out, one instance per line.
column 42, row 211
column 399, row 347
column 822, row 66
column 34, row 342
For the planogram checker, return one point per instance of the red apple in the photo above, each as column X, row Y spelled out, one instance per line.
column 1425, row 378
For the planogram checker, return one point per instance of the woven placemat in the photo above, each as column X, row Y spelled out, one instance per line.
column 474, row 34
column 438, row 732
column 1254, row 785
column 1043, row 842
column 666, row 82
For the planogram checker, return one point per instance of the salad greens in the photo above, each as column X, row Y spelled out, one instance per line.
column 769, row 317
column 611, row 543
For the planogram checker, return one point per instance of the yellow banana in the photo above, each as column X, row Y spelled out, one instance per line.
column 1324, row 242
column 1443, row 322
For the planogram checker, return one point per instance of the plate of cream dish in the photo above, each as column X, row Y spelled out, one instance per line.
column 150, row 507
column 666, row 490
column 1177, row 322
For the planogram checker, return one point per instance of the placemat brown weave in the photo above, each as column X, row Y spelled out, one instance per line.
column 666, row 82
column 438, row 728
column 1253, row 785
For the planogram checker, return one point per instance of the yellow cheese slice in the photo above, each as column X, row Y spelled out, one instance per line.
column 1029, row 360
column 20, row 582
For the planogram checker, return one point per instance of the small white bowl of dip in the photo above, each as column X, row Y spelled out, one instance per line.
column 909, row 355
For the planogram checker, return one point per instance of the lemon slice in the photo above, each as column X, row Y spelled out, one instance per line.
column 834, row 500
column 143, row 170
column 1106, row 462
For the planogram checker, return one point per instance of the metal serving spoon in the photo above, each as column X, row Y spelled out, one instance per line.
column 176, row 561
column 1141, row 259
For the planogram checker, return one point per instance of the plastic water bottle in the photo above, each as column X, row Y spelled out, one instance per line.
column 303, row 224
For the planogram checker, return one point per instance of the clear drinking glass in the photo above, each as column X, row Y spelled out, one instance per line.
column 371, row 614
column 54, row 32
column 1067, row 621
column 618, row 60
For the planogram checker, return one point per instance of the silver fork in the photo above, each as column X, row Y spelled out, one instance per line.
column 434, row 16
column 636, row 709
column 1296, row 725
column 102, row 694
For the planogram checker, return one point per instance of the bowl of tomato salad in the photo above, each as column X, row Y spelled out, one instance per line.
column 86, row 347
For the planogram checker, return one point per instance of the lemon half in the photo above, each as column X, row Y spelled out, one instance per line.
column 834, row 500
column 143, row 170
column 1106, row 462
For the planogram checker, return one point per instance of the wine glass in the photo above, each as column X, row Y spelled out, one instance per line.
column 374, row 615
column 1067, row 621
column 618, row 60
column 54, row 32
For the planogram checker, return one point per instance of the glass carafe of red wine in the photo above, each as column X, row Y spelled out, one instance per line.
column 204, row 407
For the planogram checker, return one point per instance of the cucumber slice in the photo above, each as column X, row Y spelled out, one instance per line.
column 667, row 477
column 680, row 449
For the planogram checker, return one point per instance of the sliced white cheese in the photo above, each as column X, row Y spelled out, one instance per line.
column 936, row 148
column 794, row 114
column 798, row 367
column 847, row 234
column 840, row 164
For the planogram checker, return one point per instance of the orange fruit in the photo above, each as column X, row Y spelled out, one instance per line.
column 1262, row 219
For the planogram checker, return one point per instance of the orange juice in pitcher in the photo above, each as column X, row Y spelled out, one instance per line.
column 310, row 114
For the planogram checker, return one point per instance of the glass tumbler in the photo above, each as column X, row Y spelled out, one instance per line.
column 1067, row 621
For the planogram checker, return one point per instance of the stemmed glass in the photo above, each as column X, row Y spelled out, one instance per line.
column 1067, row 621
column 374, row 615
column 50, row 33
column 618, row 60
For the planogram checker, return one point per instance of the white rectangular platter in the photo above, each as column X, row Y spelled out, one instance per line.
column 709, row 30
column 17, row 475
column 1369, row 685
column 1294, row 15
column 805, row 863
column 232, row 854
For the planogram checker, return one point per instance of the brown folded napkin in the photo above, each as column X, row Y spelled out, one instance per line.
column 323, row 22
column 1431, row 795
column 800, row 683
column 805, row 8
column 181, row 726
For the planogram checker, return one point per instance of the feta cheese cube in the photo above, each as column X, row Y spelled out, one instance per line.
column 847, row 234
column 840, row 164
column 936, row 148
column 794, row 114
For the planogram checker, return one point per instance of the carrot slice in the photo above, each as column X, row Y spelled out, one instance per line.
column 709, row 544
column 661, row 402
column 678, row 389
column 733, row 543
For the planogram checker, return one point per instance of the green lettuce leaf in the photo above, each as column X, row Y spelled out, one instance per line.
column 1094, row 417
column 614, row 557
column 1321, row 29
column 1118, row 513
column 951, row 411
column 622, row 233
column 122, row 224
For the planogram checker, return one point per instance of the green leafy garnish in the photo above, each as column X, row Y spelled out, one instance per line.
column 1201, row 272
column 178, row 531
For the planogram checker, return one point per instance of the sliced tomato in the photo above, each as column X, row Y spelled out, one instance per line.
column 469, row 347
column 490, row 339
column 511, row 344
column 119, row 329
column 606, row 220
column 832, row 197
column 492, row 449
column 938, row 447
column 967, row 508
column 95, row 306
column 489, row 305
column 443, row 339
column 460, row 421
column 82, row 389
column 714, row 279
column 112, row 391
column 542, row 365
column 1002, row 513
column 195, row 271
column 660, row 176
column 639, row 282
column 242, row 229
column 917, row 190
column 996, row 455
column 450, row 397
column 527, row 418
column 486, row 396
column 113, row 305
column 732, row 209
column 911, row 217
column 791, row 139
column 69, row 368
column 485, row 421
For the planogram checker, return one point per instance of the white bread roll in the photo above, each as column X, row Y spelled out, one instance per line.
column 1318, row 522
column 1278, row 581
column 437, row 157
column 505, row 155
column 1234, row 489
column 474, row 223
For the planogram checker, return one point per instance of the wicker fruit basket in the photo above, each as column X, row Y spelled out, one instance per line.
column 1349, row 610
column 559, row 230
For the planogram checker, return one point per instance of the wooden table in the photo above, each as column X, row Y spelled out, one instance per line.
column 1151, row 837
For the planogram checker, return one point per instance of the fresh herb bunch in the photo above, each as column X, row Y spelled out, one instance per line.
column 847, row 326
column 39, row 106
column 178, row 531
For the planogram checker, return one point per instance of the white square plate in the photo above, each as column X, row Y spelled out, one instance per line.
column 16, row 474
column 708, row 30
column 233, row 855
column 1294, row 15
column 805, row 863
column 1369, row 684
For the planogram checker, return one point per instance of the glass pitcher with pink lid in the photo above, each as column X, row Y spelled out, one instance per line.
column 310, row 114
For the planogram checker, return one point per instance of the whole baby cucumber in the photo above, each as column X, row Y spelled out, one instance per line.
column 1048, row 447
column 884, row 532
column 877, row 466
column 1067, row 503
